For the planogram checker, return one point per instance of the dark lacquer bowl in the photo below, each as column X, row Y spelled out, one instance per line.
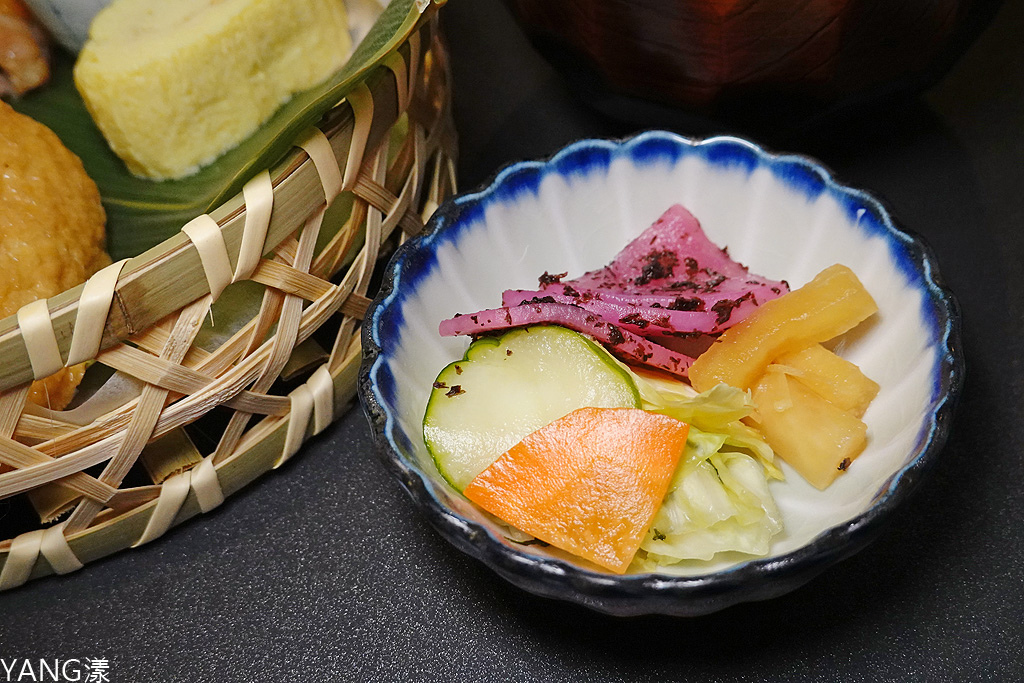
column 751, row 61
column 783, row 216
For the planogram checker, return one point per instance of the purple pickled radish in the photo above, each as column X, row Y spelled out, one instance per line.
column 671, row 281
column 622, row 343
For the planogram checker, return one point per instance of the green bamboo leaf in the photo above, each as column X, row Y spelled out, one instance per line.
column 142, row 213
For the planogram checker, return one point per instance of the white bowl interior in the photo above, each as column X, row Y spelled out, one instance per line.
column 579, row 220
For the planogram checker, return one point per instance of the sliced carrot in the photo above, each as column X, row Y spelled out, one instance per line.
column 588, row 483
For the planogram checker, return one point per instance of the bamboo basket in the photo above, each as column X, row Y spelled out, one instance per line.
column 125, row 477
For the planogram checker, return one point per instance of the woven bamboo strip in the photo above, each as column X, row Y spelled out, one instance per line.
column 291, row 281
column 24, row 458
column 169, row 455
column 332, row 256
column 32, row 429
column 11, row 404
column 183, row 380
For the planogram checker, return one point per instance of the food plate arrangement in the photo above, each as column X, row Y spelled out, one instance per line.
column 783, row 216
column 226, row 332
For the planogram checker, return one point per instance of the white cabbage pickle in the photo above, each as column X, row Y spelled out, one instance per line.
column 718, row 500
column 717, row 410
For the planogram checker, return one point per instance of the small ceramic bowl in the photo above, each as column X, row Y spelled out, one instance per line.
column 783, row 216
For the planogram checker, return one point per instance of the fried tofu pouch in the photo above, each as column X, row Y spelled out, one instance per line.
column 51, row 229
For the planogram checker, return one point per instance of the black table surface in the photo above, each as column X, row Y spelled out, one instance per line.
column 324, row 570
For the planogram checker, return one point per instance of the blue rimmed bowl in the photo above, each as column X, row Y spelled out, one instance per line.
column 785, row 217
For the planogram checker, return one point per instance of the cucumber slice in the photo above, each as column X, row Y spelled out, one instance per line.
column 509, row 386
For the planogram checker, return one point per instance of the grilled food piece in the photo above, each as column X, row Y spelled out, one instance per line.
column 51, row 228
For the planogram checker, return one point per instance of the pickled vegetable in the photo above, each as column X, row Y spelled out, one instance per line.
column 588, row 483
column 506, row 387
column 832, row 303
column 835, row 379
column 818, row 439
